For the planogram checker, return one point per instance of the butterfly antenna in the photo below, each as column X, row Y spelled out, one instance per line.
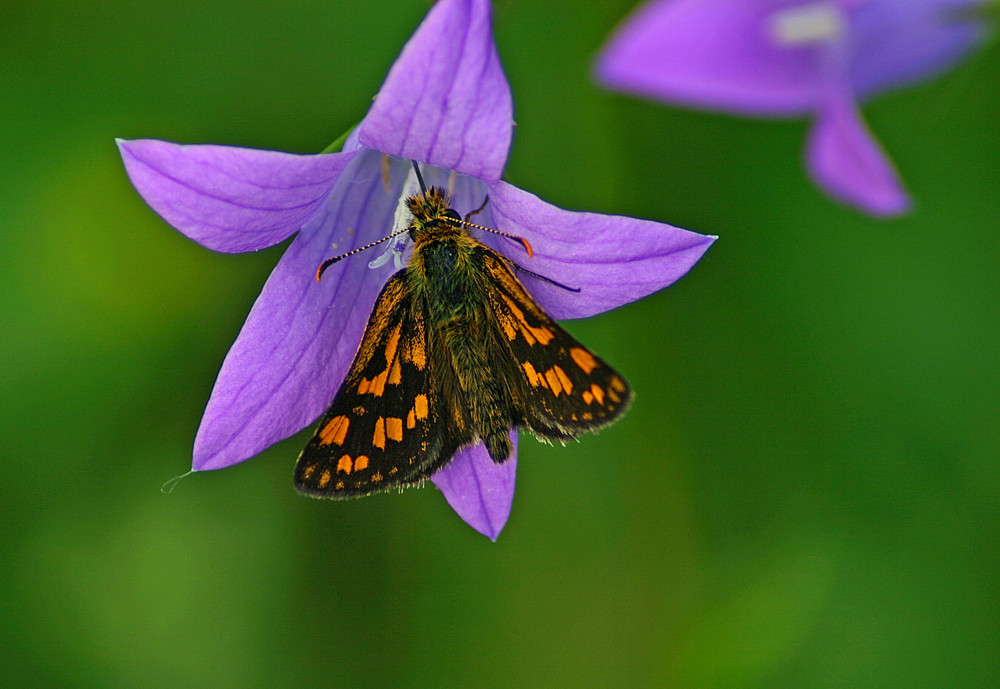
column 520, row 240
column 330, row 261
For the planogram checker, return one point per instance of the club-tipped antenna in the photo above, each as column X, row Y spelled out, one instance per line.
column 520, row 240
column 330, row 261
column 524, row 242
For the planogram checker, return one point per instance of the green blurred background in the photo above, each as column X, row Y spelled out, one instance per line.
column 806, row 492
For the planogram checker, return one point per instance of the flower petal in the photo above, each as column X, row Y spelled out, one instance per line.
column 897, row 42
column 478, row 489
column 300, row 337
column 847, row 162
column 711, row 53
column 611, row 258
column 446, row 101
column 231, row 199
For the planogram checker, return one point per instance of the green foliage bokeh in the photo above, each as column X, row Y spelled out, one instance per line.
column 805, row 493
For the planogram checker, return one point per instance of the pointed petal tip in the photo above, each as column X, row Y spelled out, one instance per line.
column 478, row 489
column 227, row 198
column 890, row 206
column 623, row 259
column 202, row 461
column 446, row 102
column 849, row 164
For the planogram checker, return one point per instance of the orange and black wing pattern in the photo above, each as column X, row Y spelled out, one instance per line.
column 567, row 389
column 383, row 428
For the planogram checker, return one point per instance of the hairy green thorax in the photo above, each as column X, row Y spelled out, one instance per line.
column 448, row 270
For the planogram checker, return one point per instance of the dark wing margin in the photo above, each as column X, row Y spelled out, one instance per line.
column 382, row 430
column 568, row 390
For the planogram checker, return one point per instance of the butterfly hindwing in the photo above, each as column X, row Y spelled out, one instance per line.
column 568, row 390
column 382, row 429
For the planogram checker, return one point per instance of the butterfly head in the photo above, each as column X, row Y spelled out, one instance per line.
column 433, row 217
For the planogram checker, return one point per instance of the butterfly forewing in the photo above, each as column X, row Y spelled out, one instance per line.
column 568, row 389
column 382, row 429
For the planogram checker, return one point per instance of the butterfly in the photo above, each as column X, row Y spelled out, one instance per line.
column 455, row 352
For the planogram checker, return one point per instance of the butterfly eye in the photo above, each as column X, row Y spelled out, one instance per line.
column 452, row 215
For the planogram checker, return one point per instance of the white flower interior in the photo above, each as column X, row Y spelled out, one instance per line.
column 816, row 22
column 400, row 222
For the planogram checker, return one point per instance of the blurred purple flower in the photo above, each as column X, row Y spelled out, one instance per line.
column 788, row 58
column 445, row 104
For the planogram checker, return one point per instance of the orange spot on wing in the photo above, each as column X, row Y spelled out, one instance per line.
column 377, row 477
column 377, row 386
column 395, row 373
column 392, row 345
column 324, row 478
column 554, row 381
column 564, row 380
column 335, row 431
column 411, row 419
column 519, row 319
column 345, row 464
column 308, row 471
column 584, row 359
column 391, row 373
column 420, row 407
column 544, row 335
column 598, row 392
column 542, row 381
column 587, row 396
column 532, row 374
column 360, row 463
column 416, row 352
column 378, row 439
column 394, row 428
column 618, row 384
column 532, row 334
column 509, row 327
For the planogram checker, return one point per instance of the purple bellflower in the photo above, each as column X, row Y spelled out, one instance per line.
column 445, row 104
column 791, row 58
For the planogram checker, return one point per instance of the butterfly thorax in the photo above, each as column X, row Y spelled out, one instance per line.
column 446, row 274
